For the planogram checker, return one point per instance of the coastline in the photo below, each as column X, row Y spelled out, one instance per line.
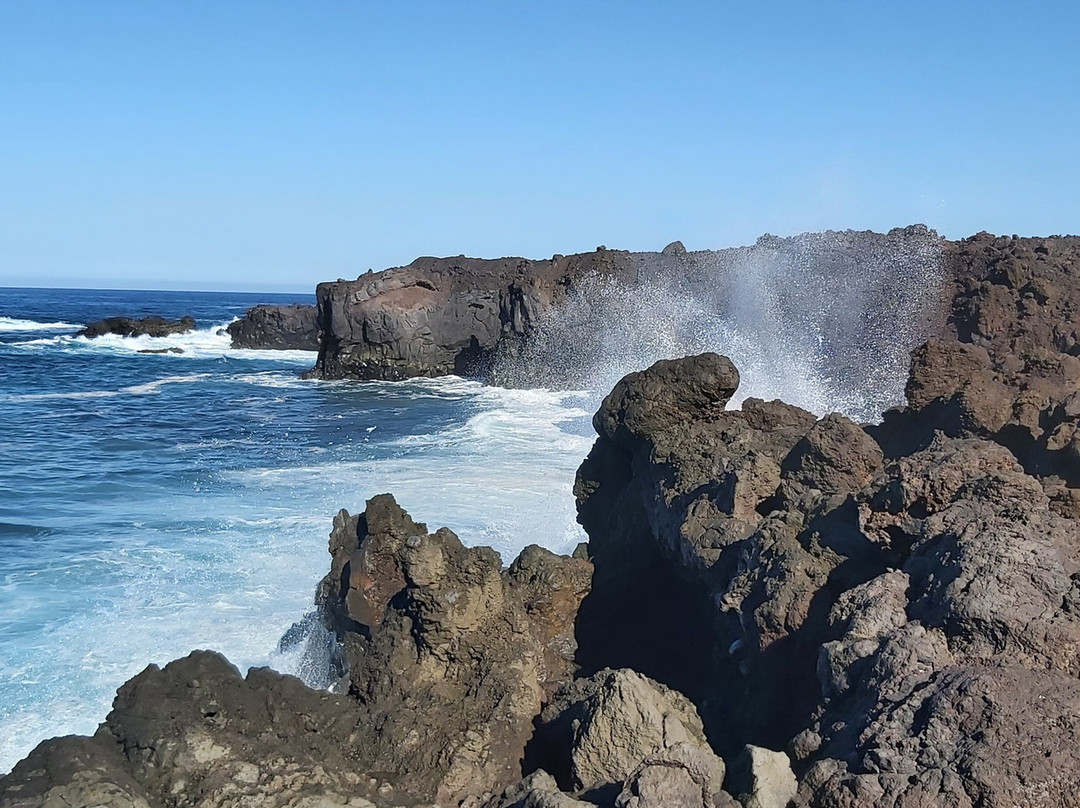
column 827, row 576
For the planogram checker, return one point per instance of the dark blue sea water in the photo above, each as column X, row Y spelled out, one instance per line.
column 151, row 504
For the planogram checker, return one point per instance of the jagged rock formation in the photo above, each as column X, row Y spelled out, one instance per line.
column 894, row 606
column 284, row 327
column 450, row 656
column 153, row 326
column 197, row 733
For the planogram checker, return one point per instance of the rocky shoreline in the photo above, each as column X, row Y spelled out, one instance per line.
column 520, row 322
column 772, row 608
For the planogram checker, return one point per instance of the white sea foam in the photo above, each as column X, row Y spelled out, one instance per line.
column 74, row 395
column 202, row 343
column 232, row 564
column 15, row 324
column 823, row 321
column 504, row 478
column 154, row 387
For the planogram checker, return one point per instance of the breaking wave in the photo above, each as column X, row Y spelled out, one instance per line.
column 824, row 321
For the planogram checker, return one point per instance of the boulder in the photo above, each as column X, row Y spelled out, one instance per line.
column 537, row 790
column 597, row 731
column 686, row 775
column 762, row 778
column 281, row 327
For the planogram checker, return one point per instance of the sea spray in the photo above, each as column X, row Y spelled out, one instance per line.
column 824, row 321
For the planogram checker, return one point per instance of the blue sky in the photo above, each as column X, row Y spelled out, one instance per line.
column 269, row 145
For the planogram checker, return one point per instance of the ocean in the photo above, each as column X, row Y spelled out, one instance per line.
column 153, row 504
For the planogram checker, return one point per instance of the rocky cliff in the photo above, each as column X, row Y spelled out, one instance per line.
column 551, row 322
column 440, row 316
column 773, row 609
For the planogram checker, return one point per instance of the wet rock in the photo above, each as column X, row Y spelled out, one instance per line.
column 153, row 326
column 173, row 350
column 281, row 327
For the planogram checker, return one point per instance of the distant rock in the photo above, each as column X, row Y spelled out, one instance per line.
column 153, row 326
column 285, row 327
column 173, row 350
column 674, row 248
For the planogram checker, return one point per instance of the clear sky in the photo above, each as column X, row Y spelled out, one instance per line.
column 269, row 145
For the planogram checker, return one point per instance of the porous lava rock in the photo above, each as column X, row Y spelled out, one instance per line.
column 895, row 605
column 198, row 733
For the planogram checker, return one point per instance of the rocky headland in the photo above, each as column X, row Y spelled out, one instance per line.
column 521, row 322
column 773, row 608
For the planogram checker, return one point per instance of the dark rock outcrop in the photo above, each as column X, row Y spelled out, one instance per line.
column 449, row 661
column 894, row 605
column 130, row 327
column 440, row 316
column 284, row 327
column 881, row 620
column 450, row 656
column 196, row 732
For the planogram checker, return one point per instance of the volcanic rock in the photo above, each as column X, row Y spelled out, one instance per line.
column 538, row 790
column 763, row 778
column 196, row 732
column 597, row 731
column 440, row 316
column 450, row 656
column 286, row 327
column 130, row 327
column 683, row 774
column 521, row 322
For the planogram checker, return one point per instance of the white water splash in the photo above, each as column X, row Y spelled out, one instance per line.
column 823, row 321
column 15, row 324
